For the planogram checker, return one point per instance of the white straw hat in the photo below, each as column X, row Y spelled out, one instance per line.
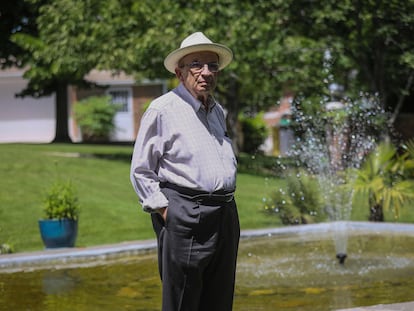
column 198, row 42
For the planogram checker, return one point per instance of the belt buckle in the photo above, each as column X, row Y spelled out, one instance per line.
column 226, row 198
column 231, row 196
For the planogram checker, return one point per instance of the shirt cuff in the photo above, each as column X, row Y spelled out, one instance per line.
column 154, row 202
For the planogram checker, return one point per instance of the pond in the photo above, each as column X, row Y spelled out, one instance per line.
column 288, row 271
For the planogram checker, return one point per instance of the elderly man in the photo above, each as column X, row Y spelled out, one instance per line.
column 184, row 172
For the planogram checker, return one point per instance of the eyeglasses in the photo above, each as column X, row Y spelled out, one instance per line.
column 198, row 67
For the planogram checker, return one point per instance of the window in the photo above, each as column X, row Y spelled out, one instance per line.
column 120, row 97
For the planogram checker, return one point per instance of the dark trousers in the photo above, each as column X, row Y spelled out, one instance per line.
column 197, row 252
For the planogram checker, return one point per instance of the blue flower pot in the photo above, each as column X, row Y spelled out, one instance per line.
column 58, row 233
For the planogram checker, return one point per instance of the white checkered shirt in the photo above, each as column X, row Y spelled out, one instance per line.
column 179, row 142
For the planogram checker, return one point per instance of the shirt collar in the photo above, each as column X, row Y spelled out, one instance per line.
column 189, row 98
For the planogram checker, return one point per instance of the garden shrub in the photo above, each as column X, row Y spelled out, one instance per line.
column 299, row 202
column 95, row 117
column 254, row 132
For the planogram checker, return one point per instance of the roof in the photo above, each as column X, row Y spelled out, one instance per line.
column 100, row 77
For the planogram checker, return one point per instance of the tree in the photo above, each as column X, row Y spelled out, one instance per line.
column 75, row 37
column 16, row 17
column 20, row 46
column 59, row 55
column 300, row 45
column 370, row 45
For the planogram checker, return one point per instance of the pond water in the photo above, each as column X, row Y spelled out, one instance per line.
column 291, row 271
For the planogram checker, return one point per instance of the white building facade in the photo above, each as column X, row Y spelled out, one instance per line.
column 31, row 120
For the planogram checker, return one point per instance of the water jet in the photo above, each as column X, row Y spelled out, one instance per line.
column 330, row 148
column 341, row 258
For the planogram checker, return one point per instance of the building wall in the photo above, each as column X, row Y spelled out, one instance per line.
column 142, row 95
column 30, row 120
column 24, row 119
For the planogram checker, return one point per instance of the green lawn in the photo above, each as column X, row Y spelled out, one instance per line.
column 110, row 211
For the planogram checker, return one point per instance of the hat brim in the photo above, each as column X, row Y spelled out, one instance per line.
column 224, row 53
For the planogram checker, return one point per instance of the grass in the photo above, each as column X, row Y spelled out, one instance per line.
column 110, row 211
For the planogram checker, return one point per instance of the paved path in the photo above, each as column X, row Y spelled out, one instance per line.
column 407, row 306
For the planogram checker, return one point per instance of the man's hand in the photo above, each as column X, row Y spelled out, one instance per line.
column 163, row 212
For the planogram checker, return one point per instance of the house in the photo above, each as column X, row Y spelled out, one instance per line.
column 281, row 137
column 277, row 120
column 33, row 120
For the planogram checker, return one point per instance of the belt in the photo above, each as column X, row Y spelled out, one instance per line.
column 224, row 196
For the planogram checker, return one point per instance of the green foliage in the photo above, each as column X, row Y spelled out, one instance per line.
column 277, row 45
column 67, row 46
column 260, row 164
column 385, row 179
column 6, row 248
column 299, row 203
column 408, row 148
column 95, row 117
column 19, row 17
column 61, row 201
column 254, row 132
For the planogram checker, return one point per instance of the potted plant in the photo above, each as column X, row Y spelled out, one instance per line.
column 59, row 227
column 95, row 117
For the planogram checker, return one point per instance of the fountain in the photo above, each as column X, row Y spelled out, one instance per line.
column 288, row 268
column 282, row 267
column 341, row 257
column 331, row 148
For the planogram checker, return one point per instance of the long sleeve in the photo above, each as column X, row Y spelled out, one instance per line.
column 145, row 162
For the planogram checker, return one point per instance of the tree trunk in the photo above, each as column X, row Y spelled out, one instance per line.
column 376, row 213
column 232, row 105
column 62, row 115
column 401, row 98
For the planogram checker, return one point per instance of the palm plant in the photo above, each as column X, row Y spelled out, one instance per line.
column 384, row 180
column 409, row 162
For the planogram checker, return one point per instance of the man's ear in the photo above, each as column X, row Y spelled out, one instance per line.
column 179, row 74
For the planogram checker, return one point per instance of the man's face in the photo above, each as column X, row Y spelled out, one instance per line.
column 198, row 72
